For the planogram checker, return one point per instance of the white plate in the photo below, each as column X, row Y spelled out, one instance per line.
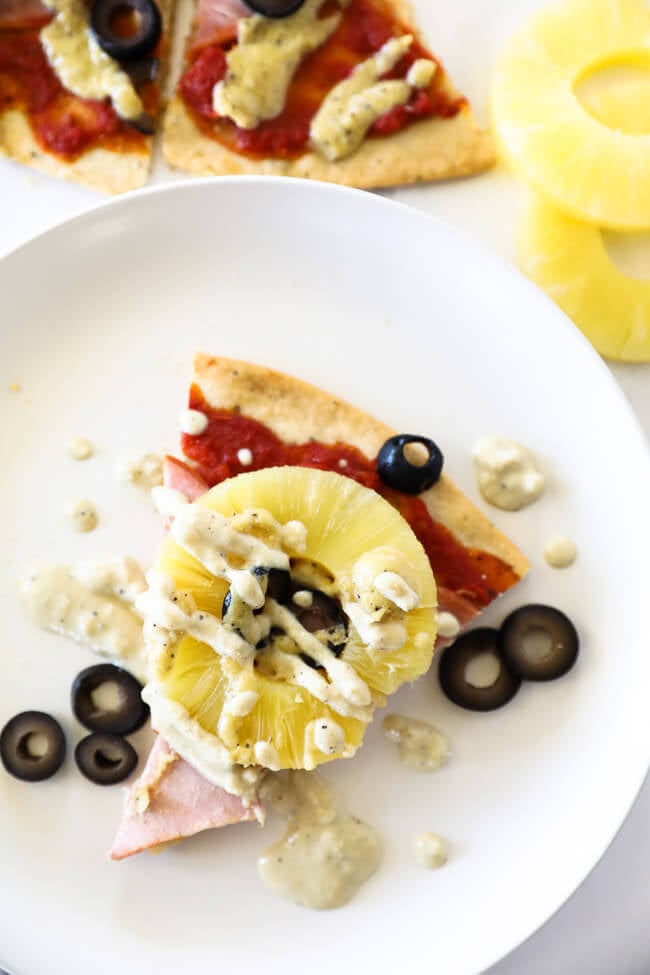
column 404, row 317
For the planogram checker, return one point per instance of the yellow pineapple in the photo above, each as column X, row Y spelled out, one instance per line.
column 590, row 171
column 622, row 105
column 569, row 261
column 344, row 522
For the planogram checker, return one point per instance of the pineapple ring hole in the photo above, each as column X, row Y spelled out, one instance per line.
column 630, row 252
column 618, row 94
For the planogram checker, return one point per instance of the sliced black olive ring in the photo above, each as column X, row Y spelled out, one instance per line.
column 537, row 623
column 127, row 716
column 17, row 751
column 452, row 672
column 105, row 759
column 119, row 44
column 409, row 463
column 274, row 8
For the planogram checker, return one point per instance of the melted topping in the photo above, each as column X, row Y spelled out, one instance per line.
column 327, row 854
column 506, row 473
column 62, row 123
column 475, row 575
column 91, row 604
column 421, row 746
column 259, row 68
column 80, row 63
column 350, row 109
column 365, row 25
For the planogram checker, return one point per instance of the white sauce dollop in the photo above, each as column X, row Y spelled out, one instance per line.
column 82, row 515
column 448, row 626
column 142, row 470
column 79, row 448
column 506, row 473
column 560, row 552
column 193, row 422
column 327, row 854
column 430, row 850
column 90, row 604
column 421, row 747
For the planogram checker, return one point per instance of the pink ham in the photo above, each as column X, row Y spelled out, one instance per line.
column 15, row 14
column 174, row 802
column 181, row 477
column 215, row 22
column 458, row 606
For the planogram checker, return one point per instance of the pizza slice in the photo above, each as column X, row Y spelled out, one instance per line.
column 340, row 90
column 80, row 87
column 250, row 418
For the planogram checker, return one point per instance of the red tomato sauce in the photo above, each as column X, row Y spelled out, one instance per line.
column 365, row 26
column 476, row 575
column 62, row 123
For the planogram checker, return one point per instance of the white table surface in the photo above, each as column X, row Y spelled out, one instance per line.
column 603, row 929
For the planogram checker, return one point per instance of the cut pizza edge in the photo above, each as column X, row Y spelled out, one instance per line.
column 294, row 411
column 101, row 169
column 297, row 411
column 428, row 149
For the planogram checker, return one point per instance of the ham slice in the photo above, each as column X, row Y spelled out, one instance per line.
column 16, row 14
column 215, row 22
column 170, row 801
column 183, row 478
column 463, row 609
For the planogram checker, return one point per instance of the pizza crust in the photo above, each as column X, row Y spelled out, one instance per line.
column 430, row 149
column 99, row 169
column 296, row 411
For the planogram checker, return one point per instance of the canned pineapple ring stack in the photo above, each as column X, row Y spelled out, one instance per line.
column 586, row 163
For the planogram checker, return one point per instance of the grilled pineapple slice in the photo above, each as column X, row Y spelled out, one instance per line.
column 588, row 170
column 568, row 260
column 284, row 725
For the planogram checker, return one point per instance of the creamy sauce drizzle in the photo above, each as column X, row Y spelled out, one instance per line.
column 79, row 448
column 421, row 747
column 448, row 626
column 506, row 473
column 350, row 108
column 193, row 422
column 80, row 63
column 326, row 854
column 560, row 552
column 90, row 604
column 142, row 470
column 430, row 850
column 264, row 60
column 82, row 515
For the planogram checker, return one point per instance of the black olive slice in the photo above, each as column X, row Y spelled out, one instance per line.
column 17, row 751
column 533, row 625
column 274, row 8
column 143, row 123
column 130, row 712
column 126, row 29
column 105, row 759
column 144, row 69
column 409, row 463
column 453, row 680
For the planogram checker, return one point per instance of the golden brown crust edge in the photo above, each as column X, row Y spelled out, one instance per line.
column 431, row 149
column 295, row 411
column 98, row 169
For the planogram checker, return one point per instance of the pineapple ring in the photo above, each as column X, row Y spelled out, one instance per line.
column 344, row 520
column 625, row 106
column 568, row 260
column 588, row 170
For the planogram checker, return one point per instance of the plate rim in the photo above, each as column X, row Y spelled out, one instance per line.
column 476, row 252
